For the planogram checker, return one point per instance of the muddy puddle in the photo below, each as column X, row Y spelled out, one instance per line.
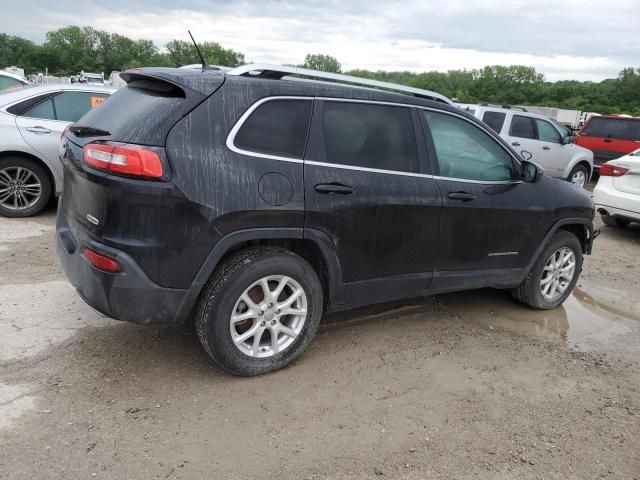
column 607, row 324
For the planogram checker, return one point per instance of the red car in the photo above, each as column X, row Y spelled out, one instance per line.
column 609, row 137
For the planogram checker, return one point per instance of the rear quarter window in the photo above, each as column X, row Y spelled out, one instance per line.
column 276, row 127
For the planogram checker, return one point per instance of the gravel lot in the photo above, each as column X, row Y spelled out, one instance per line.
column 455, row 386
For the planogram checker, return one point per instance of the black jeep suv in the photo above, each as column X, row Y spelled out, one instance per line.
column 254, row 201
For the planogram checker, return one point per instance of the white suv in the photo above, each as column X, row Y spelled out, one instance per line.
column 550, row 143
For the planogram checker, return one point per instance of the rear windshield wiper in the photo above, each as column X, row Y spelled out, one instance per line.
column 81, row 131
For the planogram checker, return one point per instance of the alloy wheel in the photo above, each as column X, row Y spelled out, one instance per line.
column 20, row 188
column 268, row 316
column 558, row 273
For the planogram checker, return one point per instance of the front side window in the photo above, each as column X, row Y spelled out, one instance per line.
column 522, row 127
column 465, row 151
column 547, row 132
column 369, row 135
column 495, row 120
column 277, row 127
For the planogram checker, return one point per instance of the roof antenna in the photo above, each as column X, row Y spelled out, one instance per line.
column 205, row 65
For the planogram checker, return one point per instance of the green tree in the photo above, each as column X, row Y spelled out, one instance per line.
column 181, row 52
column 324, row 63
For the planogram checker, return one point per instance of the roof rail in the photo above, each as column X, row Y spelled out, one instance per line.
column 280, row 71
column 508, row 107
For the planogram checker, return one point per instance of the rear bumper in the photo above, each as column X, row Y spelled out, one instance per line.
column 128, row 295
column 609, row 201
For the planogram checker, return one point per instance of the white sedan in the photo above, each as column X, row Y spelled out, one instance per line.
column 617, row 194
column 32, row 119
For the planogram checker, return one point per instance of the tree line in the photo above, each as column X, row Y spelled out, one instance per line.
column 69, row 50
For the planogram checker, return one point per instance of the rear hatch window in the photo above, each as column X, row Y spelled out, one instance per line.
column 142, row 112
column 618, row 128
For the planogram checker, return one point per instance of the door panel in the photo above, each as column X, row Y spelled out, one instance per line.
column 42, row 135
column 488, row 231
column 382, row 225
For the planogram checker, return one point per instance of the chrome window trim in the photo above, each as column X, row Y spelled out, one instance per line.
column 236, row 128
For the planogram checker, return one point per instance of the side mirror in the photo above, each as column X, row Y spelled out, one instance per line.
column 569, row 139
column 531, row 172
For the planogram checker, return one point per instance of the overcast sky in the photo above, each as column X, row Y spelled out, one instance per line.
column 564, row 39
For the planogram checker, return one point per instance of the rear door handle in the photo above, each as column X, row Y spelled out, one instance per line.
column 515, row 144
column 38, row 129
column 546, row 148
column 463, row 196
column 334, row 189
column 607, row 140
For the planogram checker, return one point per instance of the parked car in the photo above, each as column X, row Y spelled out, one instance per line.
column 32, row 120
column 255, row 203
column 550, row 143
column 11, row 81
column 617, row 194
column 610, row 136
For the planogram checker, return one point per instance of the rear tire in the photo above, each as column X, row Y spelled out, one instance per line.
column 531, row 291
column 25, row 187
column 579, row 176
column 234, row 305
column 615, row 221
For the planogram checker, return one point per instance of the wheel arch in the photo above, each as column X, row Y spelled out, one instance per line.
column 579, row 160
column 580, row 227
column 309, row 245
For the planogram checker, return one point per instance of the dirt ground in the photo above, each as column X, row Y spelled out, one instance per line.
column 459, row 386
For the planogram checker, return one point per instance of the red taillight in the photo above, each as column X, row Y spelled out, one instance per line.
column 130, row 160
column 608, row 170
column 101, row 262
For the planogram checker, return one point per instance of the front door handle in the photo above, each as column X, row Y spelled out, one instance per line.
column 546, row 148
column 463, row 196
column 334, row 189
column 515, row 144
column 38, row 129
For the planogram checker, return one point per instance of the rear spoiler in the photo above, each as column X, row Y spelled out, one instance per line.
column 203, row 83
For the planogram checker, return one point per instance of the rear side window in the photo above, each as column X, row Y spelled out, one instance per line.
column 618, row 128
column 369, row 135
column 70, row 106
column 522, row 127
column 495, row 120
column 277, row 127
column 66, row 107
column 547, row 132
column 465, row 151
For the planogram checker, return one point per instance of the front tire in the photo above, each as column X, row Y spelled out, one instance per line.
column 25, row 187
column 259, row 311
column 554, row 274
column 615, row 221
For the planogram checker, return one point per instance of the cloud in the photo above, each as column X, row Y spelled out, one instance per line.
column 565, row 39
